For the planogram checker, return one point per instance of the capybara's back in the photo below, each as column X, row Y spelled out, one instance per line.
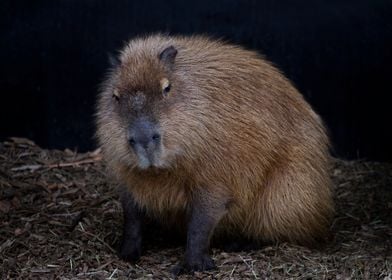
column 214, row 135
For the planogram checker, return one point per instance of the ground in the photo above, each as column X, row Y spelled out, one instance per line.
column 60, row 218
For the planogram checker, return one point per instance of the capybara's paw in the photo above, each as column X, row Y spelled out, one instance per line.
column 130, row 251
column 190, row 265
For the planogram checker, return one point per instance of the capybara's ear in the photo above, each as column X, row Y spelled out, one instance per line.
column 114, row 60
column 168, row 55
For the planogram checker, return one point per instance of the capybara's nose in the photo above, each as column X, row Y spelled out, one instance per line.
column 144, row 133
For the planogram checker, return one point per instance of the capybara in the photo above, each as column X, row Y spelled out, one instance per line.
column 209, row 135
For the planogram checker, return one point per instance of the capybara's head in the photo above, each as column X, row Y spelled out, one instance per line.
column 139, row 107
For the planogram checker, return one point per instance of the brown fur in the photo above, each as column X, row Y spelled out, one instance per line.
column 233, row 126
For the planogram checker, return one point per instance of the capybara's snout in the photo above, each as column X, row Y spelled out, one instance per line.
column 144, row 139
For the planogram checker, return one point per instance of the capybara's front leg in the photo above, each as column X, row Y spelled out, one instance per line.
column 205, row 212
column 131, row 243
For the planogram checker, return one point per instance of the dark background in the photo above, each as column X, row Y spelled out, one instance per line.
column 53, row 55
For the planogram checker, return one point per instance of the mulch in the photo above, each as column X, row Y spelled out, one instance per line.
column 60, row 219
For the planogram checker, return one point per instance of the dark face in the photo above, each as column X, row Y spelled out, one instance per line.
column 142, row 98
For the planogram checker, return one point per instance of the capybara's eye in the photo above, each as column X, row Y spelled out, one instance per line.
column 165, row 85
column 116, row 95
column 166, row 89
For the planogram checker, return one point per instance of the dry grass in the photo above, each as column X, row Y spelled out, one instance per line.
column 59, row 218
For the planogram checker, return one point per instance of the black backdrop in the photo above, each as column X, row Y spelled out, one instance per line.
column 53, row 55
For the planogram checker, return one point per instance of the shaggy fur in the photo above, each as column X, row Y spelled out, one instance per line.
column 232, row 127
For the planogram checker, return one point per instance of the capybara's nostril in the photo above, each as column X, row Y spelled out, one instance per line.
column 156, row 137
column 144, row 133
column 132, row 141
